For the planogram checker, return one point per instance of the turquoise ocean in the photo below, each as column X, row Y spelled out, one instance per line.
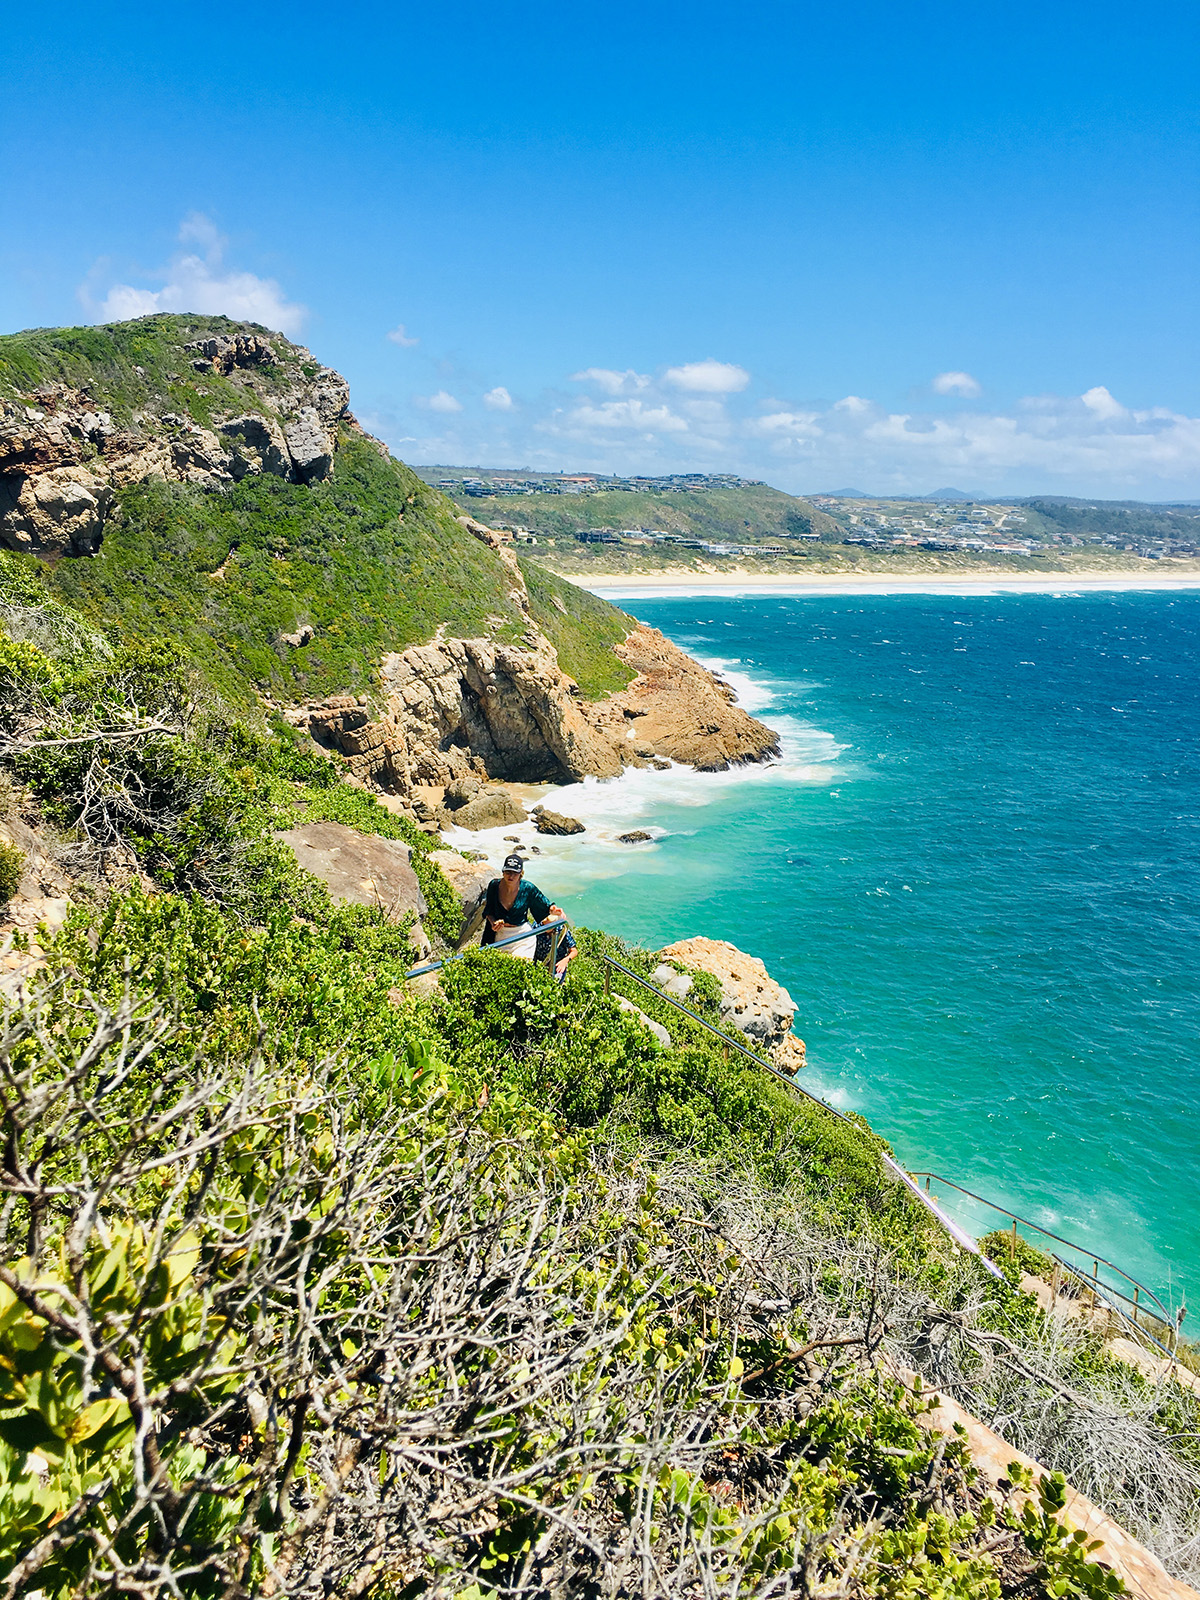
column 976, row 868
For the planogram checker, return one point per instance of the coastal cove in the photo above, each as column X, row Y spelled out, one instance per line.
column 973, row 868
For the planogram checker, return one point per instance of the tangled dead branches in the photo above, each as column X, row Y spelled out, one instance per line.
column 298, row 1337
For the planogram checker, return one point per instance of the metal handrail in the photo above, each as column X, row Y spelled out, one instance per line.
column 1104, row 1291
column 502, row 944
column 734, row 1044
column 1087, row 1254
column 959, row 1236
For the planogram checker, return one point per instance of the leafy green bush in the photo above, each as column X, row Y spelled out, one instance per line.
column 1000, row 1248
column 12, row 864
column 267, row 1317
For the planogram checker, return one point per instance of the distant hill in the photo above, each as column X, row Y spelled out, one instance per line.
column 746, row 515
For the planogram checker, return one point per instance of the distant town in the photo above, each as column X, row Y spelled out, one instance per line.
column 768, row 524
column 500, row 483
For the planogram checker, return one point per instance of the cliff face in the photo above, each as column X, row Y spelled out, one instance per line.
column 63, row 453
column 290, row 555
column 462, row 708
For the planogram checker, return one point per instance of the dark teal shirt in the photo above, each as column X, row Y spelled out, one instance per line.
column 530, row 903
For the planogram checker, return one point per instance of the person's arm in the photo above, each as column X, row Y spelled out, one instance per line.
column 538, row 906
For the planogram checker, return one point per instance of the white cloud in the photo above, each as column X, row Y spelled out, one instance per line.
column 853, row 403
column 1101, row 403
column 201, row 283
column 441, row 401
column 961, row 383
column 628, row 415
column 499, row 399
column 404, row 340
column 708, row 377
column 627, row 382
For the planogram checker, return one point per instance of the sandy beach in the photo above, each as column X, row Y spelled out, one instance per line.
column 633, row 585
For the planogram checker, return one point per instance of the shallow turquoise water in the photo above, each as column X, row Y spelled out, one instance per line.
column 976, row 871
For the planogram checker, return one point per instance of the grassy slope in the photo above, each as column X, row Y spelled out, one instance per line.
column 582, row 629
column 373, row 559
column 104, row 361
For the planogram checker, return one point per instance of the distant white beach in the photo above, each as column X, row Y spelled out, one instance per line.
column 613, row 586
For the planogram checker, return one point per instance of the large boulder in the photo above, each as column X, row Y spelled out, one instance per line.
column 490, row 808
column 554, row 822
column 750, row 998
column 55, row 513
column 310, row 446
column 259, row 446
column 360, row 867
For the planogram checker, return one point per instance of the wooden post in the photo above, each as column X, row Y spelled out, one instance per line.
column 607, row 978
column 1136, row 1294
column 554, row 949
column 1055, row 1281
column 1012, row 1247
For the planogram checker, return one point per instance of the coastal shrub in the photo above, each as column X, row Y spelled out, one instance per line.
column 305, row 1330
column 1000, row 1248
column 12, row 864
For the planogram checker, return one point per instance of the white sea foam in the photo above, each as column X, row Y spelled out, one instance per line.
column 618, row 589
column 646, row 800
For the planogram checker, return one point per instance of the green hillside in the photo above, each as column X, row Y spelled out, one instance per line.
column 371, row 558
column 741, row 516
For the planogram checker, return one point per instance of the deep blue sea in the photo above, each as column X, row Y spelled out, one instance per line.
column 975, row 869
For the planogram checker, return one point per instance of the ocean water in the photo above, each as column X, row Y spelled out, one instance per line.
column 977, row 870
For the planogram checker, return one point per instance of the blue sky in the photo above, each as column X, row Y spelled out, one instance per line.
column 893, row 246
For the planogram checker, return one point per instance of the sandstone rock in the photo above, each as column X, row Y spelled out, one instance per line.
column 223, row 352
column 461, row 790
column 750, row 998
column 467, row 878
column 55, row 513
column 490, row 808
column 635, row 836
column 682, row 710
column 671, row 982
column 554, row 822
column 656, row 1028
column 305, row 634
column 259, row 446
column 310, row 446
column 360, row 867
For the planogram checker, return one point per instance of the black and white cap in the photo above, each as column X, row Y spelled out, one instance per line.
column 514, row 864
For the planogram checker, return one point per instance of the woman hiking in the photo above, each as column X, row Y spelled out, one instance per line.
column 507, row 904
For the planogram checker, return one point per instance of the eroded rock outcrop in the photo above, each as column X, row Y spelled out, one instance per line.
column 461, row 706
column 677, row 708
column 363, row 868
column 62, row 455
column 457, row 711
column 750, row 997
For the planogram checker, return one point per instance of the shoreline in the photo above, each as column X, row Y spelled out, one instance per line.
column 608, row 584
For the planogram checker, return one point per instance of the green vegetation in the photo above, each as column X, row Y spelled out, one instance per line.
column 371, row 558
column 581, row 628
column 320, row 1253
column 742, row 516
column 127, row 367
column 12, row 864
